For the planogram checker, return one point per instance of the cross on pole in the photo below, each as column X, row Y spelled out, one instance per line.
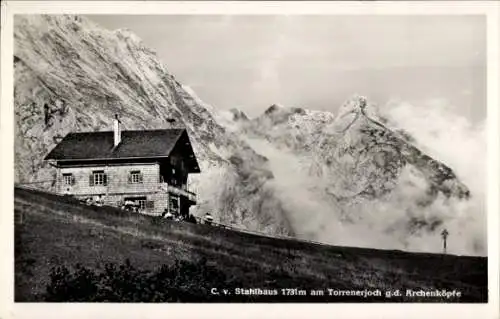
column 444, row 235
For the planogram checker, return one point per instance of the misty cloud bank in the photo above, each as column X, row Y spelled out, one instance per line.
column 407, row 218
column 454, row 140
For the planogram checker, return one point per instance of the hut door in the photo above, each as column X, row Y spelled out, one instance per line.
column 174, row 204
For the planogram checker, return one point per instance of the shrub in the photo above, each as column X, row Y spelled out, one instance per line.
column 184, row 281
column 77, row 286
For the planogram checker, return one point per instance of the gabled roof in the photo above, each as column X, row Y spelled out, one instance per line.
column 100, row 145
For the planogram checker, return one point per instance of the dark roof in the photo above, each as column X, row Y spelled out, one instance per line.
column 100, row 145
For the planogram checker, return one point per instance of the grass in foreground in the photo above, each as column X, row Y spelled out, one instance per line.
column 60, row 236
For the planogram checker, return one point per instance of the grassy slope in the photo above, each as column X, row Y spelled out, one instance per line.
column 57, row 231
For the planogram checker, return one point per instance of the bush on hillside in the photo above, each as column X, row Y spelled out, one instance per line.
column 182, row 282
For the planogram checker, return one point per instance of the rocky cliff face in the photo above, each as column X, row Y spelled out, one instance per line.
column 354, row 149
column 358, row 141
column 361, row 174
column 86, row 74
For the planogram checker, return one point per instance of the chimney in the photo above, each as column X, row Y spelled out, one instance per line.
column 117, row 131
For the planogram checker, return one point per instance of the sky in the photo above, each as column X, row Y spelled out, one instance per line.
column 318, row 62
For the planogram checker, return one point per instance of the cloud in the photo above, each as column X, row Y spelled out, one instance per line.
column 407, row 218
column 454, row 140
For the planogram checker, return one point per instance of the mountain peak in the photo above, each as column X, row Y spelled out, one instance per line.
column 356, row 103
column 349, row 112
column 238, row 114
column 125, row 33
column 273, row 108
column 353, row 109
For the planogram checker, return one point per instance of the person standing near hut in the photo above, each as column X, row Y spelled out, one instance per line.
column 169, row 216
column 208, row 219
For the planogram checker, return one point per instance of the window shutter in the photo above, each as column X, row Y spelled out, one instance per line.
column 105, row 179
column 150, row 204
column 140, row 178
column 91, row 180
column 130, row 178
column 73, row 180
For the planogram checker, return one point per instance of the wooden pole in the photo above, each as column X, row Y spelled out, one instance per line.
column 58, row 180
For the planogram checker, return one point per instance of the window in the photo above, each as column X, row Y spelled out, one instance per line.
column 173, row 181
column 98, row 178
column 146, row 204
column 68, row 179
column 142, row 204
column 135, row 177
column 150, row 204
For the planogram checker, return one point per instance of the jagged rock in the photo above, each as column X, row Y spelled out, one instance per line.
column 87, row 74
column 358, row 168
column 238, row 115
column 273, row 108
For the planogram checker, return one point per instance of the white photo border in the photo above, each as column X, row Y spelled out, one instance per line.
column 9, row 309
